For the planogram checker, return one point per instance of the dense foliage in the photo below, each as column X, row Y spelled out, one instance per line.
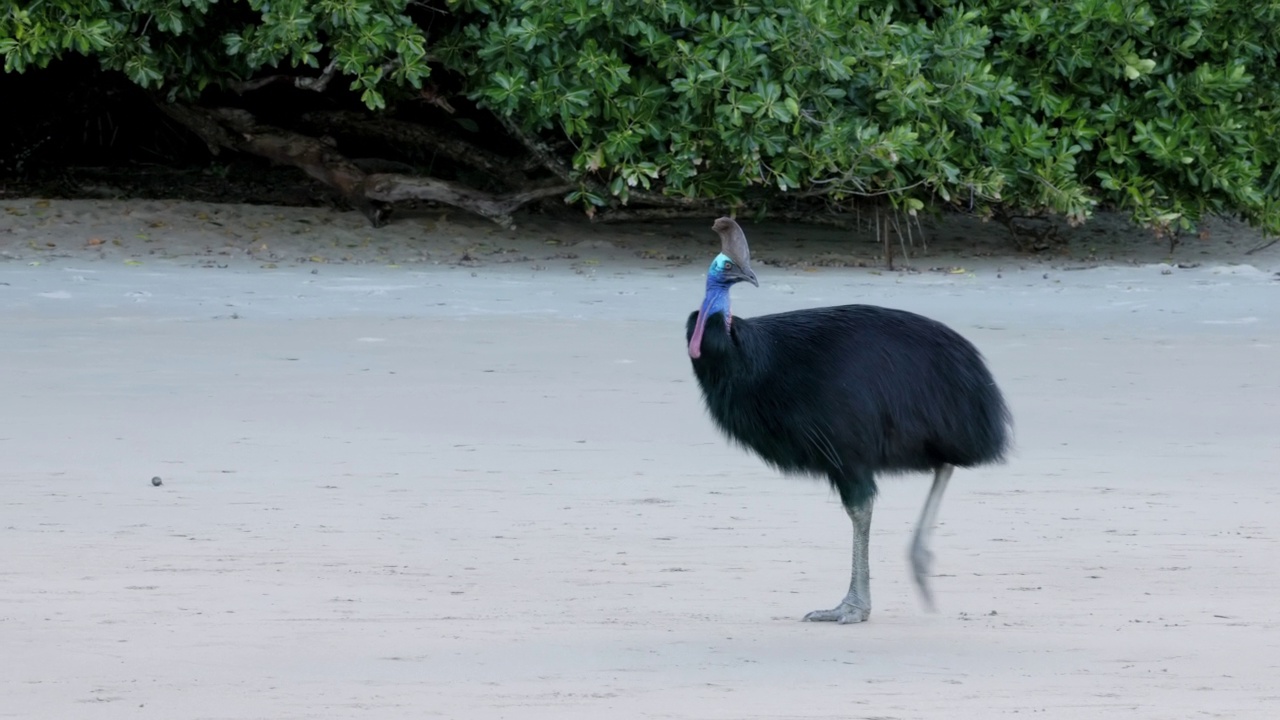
column 186, row 45
column 1166, row 108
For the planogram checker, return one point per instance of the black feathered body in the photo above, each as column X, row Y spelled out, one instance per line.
column 849, row 392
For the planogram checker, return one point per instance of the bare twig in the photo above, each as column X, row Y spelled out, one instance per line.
column 321, row 83
column 902, row 240
column 302, row 82
column 821, row 191
column 1263, row 246
column 882, row 232
column 427, row 6
column 433, row 95
column 245, row 86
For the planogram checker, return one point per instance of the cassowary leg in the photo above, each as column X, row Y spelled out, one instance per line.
column 856, row 606
column 921, row 558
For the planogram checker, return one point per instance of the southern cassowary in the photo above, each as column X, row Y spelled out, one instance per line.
column 845, row 392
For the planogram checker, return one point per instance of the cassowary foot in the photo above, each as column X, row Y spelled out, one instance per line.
column 845, row 613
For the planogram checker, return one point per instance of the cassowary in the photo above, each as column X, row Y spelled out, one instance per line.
column 845, row 392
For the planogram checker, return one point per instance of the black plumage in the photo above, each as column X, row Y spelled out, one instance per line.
column 845, row 393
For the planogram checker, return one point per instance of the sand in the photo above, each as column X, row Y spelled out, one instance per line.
column 442, row 470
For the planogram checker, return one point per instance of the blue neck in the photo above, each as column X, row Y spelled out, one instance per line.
column 717, row 297
column 715, row 301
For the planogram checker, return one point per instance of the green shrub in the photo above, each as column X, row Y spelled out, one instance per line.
column 803, row 96
column 186, row 45
column 1169, row 109
column 1173, row 104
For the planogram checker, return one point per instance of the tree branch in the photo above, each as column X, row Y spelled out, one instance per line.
column 205, row 127
column 538, row 149
column 238, row 130
column 391, row 187
column 321, row 83
column 402, row 133
column 302, row 82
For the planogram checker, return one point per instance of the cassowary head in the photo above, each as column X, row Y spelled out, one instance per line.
column 732, row 265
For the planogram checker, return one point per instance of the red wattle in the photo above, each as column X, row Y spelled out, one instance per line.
column 695, row 342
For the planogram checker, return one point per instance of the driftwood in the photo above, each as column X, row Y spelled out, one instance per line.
column 373, row 193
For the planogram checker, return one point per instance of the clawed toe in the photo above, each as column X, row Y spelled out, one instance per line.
column 844, row 614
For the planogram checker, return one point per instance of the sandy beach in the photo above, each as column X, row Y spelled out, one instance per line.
column 445, row 470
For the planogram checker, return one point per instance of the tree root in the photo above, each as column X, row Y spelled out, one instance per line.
column 372, row 193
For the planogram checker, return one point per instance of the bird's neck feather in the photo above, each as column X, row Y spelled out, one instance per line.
column 717, row 298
